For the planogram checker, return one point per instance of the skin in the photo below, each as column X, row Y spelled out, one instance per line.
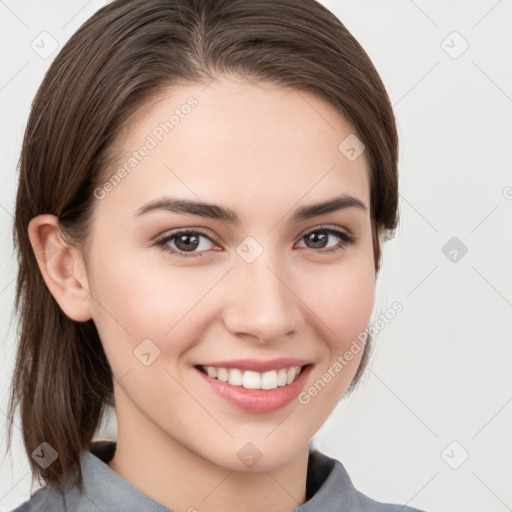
column 263, row 151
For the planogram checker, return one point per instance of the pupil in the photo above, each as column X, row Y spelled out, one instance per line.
column 190, row 242
column 317, row 238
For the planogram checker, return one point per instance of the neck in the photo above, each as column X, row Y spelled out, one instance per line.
column 182, row 480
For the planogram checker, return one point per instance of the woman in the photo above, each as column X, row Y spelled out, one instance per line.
column 204, row 190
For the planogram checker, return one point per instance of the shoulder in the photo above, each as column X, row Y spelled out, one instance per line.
column 102, row 490
column 53, row 498
column 369, row 505
column 44, row 499
column 330, row 489
column 68, row 495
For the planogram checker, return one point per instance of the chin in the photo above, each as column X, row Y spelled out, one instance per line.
column 249, row 454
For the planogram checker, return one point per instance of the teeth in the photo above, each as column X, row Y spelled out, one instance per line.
column 253, row 380
column 235, row 377
column 222, row 374
column 269, row 380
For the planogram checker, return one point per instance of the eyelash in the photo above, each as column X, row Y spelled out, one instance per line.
column 345, row 239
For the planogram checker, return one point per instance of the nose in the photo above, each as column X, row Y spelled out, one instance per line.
column 259, row 300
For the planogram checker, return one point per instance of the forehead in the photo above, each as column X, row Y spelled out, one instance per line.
column 247, row 145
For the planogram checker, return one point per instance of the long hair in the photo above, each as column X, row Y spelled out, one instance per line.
column 124, row 55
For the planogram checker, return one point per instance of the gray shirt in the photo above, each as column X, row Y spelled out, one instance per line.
column 328, row 489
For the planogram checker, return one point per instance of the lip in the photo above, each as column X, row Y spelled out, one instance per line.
column 258, row 400
column 259, row 366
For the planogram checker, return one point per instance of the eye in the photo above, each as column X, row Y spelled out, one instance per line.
column 184, row 241
column 187, row 243
column 320, row 237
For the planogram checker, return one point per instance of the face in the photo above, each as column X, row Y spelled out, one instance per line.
column 245, row 294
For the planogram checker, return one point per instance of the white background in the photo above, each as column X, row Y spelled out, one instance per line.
column 441, row 369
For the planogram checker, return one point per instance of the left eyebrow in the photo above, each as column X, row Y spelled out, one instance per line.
column 332, row 205
column 214, row 211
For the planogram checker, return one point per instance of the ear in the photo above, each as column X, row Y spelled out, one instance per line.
column 61, row 266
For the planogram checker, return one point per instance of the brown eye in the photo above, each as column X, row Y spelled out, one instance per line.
column 187, row 242
column 319, row 238
column 184, row 242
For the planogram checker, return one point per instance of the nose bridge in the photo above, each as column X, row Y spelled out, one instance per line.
column 259, row 303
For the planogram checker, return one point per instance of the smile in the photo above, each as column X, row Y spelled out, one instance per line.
column 249, row 379
column 256, row 386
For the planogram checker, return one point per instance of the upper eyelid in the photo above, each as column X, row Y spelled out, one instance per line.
column 169, row 235
column 204, row 232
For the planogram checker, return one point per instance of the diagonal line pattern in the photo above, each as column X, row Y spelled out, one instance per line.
column 492, row 81
column 216, row 487
column 280, row 423
column 424, row 14
column 416, row 84
column 1, row 205
column 488, row 215
column 423, row 280
column 301, row 300
column 410, row 409
column 213, row 80
column 7, row 285
column 299, row 93
column 487, row 423
column 95, row 505
column 194, row 305
column 10, row 80
column 410, row 499
column 419, row 213
column 200, row 404
column 14, row 486
column 117, row 381
column 284, row 488
column 486, row 14
column 75, row 15
column 497, row 497
column 13, row 13
column 14, row 422
column 494, row 288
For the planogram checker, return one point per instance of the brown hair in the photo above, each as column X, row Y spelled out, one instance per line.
column 125, row 54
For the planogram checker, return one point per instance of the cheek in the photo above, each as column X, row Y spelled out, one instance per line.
column 345, row 304
column 352, row 306
column 342, row 296
column 137, row 299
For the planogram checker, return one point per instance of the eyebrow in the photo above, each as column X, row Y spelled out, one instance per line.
column 214, row 211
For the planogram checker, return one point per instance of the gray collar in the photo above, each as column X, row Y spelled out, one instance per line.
column 327, row 480
column 327, row 483
column 328, row 488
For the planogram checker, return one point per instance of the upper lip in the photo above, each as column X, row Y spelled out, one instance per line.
column 258, row 365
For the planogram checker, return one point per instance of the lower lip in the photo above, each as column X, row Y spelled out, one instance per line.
column 258, row 400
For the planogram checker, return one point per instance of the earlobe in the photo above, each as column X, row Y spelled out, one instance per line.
column 61, row 266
